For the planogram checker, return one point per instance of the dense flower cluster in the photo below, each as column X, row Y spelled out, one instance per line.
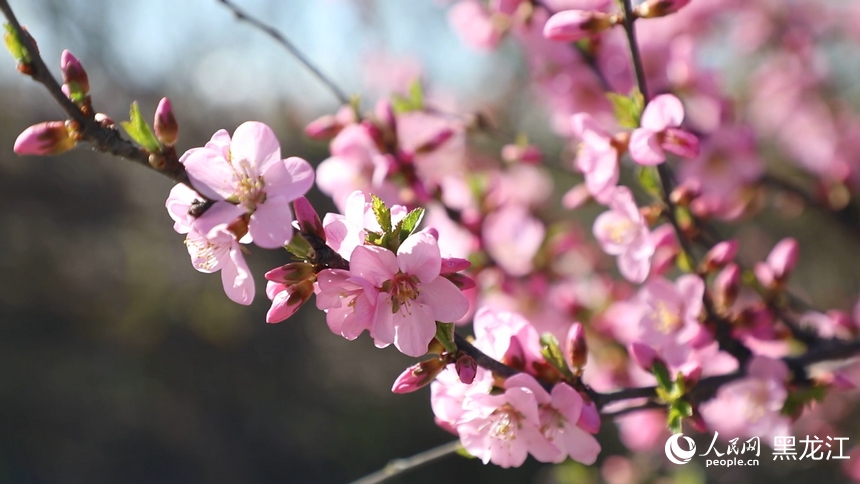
column 688, row 307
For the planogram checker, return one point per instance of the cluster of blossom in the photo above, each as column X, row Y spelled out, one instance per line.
column 533, row 285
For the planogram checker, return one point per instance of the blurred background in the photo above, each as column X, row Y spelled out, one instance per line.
column 121, row 363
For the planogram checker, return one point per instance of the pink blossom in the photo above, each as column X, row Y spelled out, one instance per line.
column 248, row 171
column 559, row 415
column 512, row 237
column 622, row 232
column 218, row 250
column 356, row 163
column 504, row 428
column 597, row 157
column 448, row 392
column 670, row 321
column 779, row 264
column 346, row 232
column 411, row 294
column 507, row 337
column 349, row 302
column 659, row 131
column 751, row 406
column 573, row 25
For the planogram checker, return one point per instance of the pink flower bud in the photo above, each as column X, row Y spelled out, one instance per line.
column 384, row 112
column 323, row 128
column 286, row 300
column 575, row 197
column 720, row 255
column 307, row 217
column 450, row 265
column 74, row 74
column 783, row 258
column 697, row 422
column 577, row 348
column 589, row 419
column 467, row 368
column 463, row 282
column 523, row 154
column 573, row 25
column 660, row 8
column 48, row 138
column 436, row 141
column 104, row 120
column 691, row 372
column 291, row 273
column 643, row 355
column 727, row 285
column 166, row 127
column 418, row 375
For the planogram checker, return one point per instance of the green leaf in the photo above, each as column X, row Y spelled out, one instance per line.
column 649, row 179
column 662, row 374
column 553, row 354
column 413, row 102
column 684, row 262
column 300, row 247
column 139, row 130
column 445, row 335
column 382, row 212
column 627, row 109
column 14, row 45
column 409, row 223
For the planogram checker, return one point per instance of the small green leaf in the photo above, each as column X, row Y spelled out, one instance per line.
column 413, row 102
column 409, row 223
column 139, row 130
column 445, row 336
column 553, row 354
column 13, row 43
column 382, row 212
column 684, row 262
column 300, row 247
column 627, row 109
column 649, row 179
column 373, row 238
column 662, row 374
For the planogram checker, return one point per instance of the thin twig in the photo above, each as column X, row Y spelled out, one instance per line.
column 295, row 52
column 400, row 466
column 101, row 138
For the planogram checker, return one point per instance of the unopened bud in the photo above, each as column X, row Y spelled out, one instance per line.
column 462, row 281
column 291, row 273
column 450, row 265
column 783, row 258
column 323, row 128
column 467, row 368
column 436, row 141
column 287, row 300
column 659, row 8
column 515, row 153
column 727, row 285
column 589, row 419
column 720, row 255
column 643, row 355
column 697, row 422
column 104, row 120
column 74, row 76
column 577, row 348
column 691, row 373
column 384, row 112
column 48, row 138
column 418, row 375
column 166, row 127
column 573, row 25
column 307, row 217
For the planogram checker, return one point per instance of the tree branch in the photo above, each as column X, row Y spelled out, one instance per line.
column 400, row 466
column 285, row 43
column 103, row 139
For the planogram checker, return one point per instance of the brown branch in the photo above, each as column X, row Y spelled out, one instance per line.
column 103, row 139
column 285, row 43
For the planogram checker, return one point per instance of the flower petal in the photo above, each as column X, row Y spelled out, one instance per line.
column 255, row 143
column 270, row 224
column 448, row 302
column 419, row 256
column 664, row 111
